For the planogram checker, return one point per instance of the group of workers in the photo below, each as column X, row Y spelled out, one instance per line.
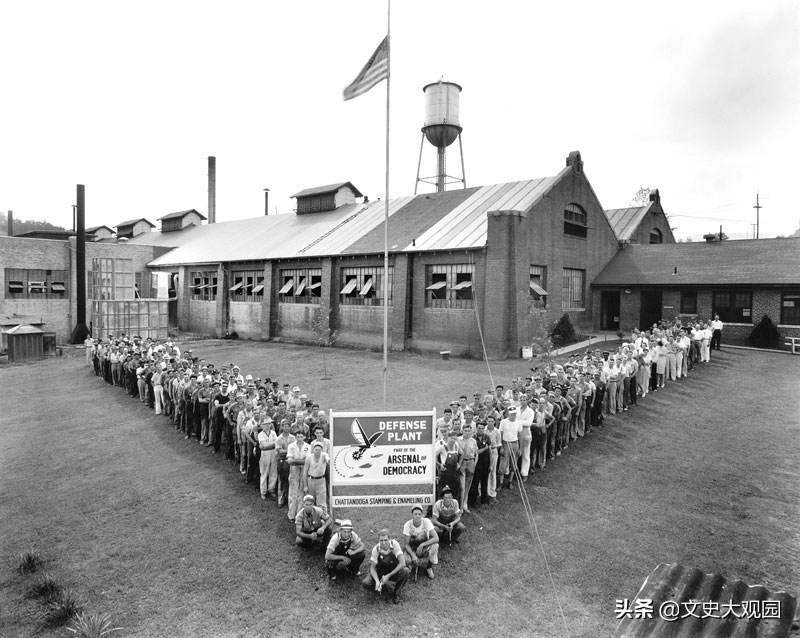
column 278, row 436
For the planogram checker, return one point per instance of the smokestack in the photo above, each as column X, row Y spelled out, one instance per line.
column 80, row 332
column 212, row 189
column 11, row 223
column 266, row 201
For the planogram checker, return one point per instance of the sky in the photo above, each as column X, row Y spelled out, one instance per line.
column 698, row 99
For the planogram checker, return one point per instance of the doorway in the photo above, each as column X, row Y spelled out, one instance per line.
column 609, row 310
column 650, row 311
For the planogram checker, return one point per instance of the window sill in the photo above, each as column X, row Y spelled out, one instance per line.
column 790, row 326
column 731, row 323
column 573, row 309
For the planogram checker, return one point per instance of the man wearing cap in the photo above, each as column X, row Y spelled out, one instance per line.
column 446, row 516
column 480, row 482
column 420, row 541
column 525, row 416
column 312, row 524
column 449, row 461
column 314, row 469
column 345, row 551
column 219, row 405
column 387, row 571
column 509, row 452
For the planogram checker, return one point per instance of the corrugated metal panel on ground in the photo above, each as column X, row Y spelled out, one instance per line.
column 680, row 593
column 624, row 221
column 466, row 225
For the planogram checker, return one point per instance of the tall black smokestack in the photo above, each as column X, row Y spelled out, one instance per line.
column 212, row 189
column 266, row 201
column 80, row 332
column 11, row 223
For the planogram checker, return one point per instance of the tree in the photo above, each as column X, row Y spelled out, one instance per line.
column 642, row 197
column 324, row 336
column 26, row 225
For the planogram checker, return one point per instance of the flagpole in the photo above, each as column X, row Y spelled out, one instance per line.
column 386, row 290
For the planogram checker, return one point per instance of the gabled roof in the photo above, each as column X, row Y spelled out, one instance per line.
column 729, row 262
column 95, row 228
column 625, row 221
column 437, row 221
column 133, row 222
column 329, row 188
column 181, row 214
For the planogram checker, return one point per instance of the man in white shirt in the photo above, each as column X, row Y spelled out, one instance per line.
column 716, row 333
column 510, row 430
column 267, row 463
column 296, row 458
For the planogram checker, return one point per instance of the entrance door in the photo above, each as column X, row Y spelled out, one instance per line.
column 609, row 310
column 650, row 311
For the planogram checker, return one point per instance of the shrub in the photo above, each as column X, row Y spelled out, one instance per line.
column 45, row 588
column 29, row 562
column 92, row 625
column 61, row 610
column 563, row 333
column 765, row 334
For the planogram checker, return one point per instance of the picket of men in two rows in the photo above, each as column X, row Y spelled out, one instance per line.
column 277, row 436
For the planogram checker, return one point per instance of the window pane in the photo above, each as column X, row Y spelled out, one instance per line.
column 790, row 308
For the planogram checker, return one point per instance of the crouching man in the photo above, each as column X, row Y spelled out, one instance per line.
column 387, row 570
column 312, row 524
column 421, row 541
column 345, row 552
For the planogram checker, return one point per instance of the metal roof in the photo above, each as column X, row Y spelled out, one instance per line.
column 132, row 222
column 168, row 240
column 329, row 188
column 24, row 329
column 724, row 613
column 181, row 213
column 625, row 221
column 466, row 225
column 729, row 262
column 435, row 221
column 94, row 228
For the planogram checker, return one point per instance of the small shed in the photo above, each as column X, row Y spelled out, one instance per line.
column 25, row 342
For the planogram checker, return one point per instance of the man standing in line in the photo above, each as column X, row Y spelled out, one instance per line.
column 495, row 443
column 296, row 458
column 716, row 333
column 469, row 457
column 313, row 477
column 509, row 452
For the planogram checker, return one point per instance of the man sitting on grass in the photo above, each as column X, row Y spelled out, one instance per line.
column 387, row 571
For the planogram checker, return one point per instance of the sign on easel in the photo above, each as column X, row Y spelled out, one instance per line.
column 382, row 459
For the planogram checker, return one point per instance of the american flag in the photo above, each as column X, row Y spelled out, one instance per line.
column 375, row 70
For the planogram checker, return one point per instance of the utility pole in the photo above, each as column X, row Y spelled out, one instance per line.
column 754, row 230
column 758, row 208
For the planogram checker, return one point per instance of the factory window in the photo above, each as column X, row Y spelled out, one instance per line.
column 248, row 285
column 733, row 307
column 575, row 221
column 656, row 237
column 790, row 308
column 688, row 302
column 26, row 283
column 573, row 293
column 449, row 286
column 300, row 285
column 204, row 285
column 538, row 286
column 112, row 279
column 363, row 286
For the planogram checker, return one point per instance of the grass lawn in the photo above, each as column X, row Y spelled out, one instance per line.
column 148, row 526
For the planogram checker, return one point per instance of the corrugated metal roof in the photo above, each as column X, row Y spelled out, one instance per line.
column 328, row 188
column 466, row 225
column 625, row 221
column 181, row 213
column 266, row 237
column 435, row 221
column 411, row 221
column 745, row 261
column 91, row 229
column 131, row 222
column 679, row 587
column 367, row 217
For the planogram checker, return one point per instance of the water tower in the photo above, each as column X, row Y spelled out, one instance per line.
column 441, row 128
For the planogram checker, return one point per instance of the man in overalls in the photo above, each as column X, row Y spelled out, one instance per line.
column 345, row 551
column 446, row 517
column 387, row 570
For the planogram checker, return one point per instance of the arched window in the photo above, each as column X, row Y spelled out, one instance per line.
column 656, row 237
column 574, row 220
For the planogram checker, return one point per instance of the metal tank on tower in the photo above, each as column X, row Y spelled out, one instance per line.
column 441, row 128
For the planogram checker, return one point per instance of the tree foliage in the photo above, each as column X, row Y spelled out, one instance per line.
column 26, row 225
